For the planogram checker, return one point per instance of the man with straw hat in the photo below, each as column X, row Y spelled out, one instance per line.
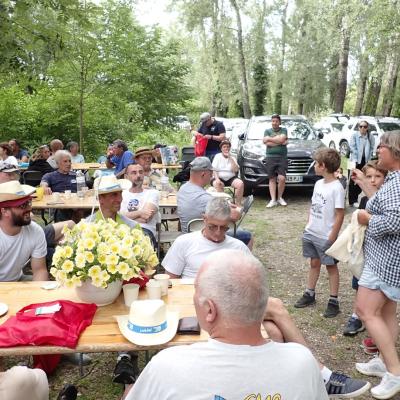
column 144, row 157
column 21, row 239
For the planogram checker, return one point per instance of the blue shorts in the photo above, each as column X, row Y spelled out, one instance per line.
column 369, row 279
column 241, row 234
column 315, row 247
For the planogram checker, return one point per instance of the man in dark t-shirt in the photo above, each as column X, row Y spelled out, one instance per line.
column 214, row 131
column 276, row 164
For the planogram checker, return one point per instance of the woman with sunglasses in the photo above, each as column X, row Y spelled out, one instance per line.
column 379, row 284
column 38, row 161
column 362, row 144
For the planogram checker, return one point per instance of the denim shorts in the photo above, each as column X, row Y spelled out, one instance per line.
column 315, row 247
column 241, row 234
column 369, row 279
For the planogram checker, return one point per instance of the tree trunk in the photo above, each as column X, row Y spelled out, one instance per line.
column 279, row 84
column 302, row 96
column 216, row 93
column 332, row 78
column 374, row 90
column 342, row 72
column 362, row 83
column 242, row 63
column 81, row 104
column 391, row 79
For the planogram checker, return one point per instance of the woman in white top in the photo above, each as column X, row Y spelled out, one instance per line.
column 73, row 148
column 6, row 154
column 225, row 172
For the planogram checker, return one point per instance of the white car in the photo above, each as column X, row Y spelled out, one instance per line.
column 331, row 128
column 377, row 127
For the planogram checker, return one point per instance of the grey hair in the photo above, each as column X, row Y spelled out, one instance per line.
column 392, row 141
column 60, row 154
column 218, row 208
column 237, row 284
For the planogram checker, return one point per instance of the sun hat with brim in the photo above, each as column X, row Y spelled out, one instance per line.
column 6, row 167
column 141, row 151
column 14, row 203
column 201, row 164
column 149, row 323
column 110, row 183
column 13, row 190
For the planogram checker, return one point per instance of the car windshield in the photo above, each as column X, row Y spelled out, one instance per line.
column 337, row 127
column 389, row 126
column 298, row 130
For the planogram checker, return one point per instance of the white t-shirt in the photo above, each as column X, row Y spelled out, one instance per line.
column 136, row 201
column 22, row 383
column 216, row 370
column 11, row 160
column 223, row 166
column 16, row 250
column 325, row 199
column 188, row 252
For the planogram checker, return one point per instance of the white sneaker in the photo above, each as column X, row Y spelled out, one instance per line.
column 374, row 367
column 272, row 203
column 282, row 202
column 389, row 386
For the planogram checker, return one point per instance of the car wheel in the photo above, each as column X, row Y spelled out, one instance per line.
column 332, row 145
column 344, row 149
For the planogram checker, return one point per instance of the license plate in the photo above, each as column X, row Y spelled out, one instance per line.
column 294, row 179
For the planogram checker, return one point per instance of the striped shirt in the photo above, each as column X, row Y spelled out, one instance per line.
column 382, row 237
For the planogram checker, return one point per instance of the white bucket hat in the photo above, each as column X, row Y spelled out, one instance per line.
column 110, row 183
column 148, row 323
column 13, row 190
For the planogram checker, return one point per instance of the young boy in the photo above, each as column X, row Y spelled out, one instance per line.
column 325, row 219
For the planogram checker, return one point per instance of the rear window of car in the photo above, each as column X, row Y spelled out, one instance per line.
column 389, row 126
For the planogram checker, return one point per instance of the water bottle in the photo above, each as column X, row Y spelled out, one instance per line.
column 80, row 184
column 164, row 186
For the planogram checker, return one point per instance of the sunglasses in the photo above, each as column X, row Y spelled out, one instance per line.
column 25, row 205
column 214, row 228
column 364, row 126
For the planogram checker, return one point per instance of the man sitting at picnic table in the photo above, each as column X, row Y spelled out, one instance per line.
column 21, row 239
column 188, row 252
column 120, row 157
column 192, row 199
column 139, row 204
column 237, row 361
column 144, row 157
column 8, row 172
column 55, row 145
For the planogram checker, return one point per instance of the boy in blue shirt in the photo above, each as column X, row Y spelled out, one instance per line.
column 324, row 223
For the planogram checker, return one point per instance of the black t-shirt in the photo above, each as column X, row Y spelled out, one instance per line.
column 215, row 129
column 363, row 203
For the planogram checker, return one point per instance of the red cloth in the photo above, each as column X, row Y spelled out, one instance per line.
column 61, row 328
column 140, row 280
column 200, row 145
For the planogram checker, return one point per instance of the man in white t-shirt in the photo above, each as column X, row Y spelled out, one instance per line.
column 225, row 172
column 188, row 252
column 138, row 204
column 20, row 238
column 237, row 362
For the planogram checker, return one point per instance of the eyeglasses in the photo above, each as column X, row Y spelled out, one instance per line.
column 382, row 146
column 364, row 126
column 214, row 228
column 25, row 205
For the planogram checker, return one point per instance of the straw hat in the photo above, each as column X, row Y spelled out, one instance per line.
column 148, row 323
column 144, row 150
column 110, row 183
column 13, row 190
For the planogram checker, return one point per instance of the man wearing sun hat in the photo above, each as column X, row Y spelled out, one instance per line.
column 8, row 172
column 21, row 239
column 144, row 157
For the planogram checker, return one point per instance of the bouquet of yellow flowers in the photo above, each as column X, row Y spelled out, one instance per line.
column 103, row 252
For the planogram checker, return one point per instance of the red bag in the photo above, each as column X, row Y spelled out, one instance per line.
column 200, row 145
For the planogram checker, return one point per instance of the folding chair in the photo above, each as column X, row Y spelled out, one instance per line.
column 32, row 178
column 246, row 207
column 187, row 154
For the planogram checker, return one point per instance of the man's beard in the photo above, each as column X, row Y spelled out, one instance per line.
column 19, row 220
column 137, row 184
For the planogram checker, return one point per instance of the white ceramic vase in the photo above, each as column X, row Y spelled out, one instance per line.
column 101, row 297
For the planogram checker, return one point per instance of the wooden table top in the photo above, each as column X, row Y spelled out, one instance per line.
column 162, row 166
column 86, row 203
column 103, row 335
column 86, row 166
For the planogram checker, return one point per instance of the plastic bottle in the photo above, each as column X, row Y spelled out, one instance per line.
column 80, row 183
column 164, row 185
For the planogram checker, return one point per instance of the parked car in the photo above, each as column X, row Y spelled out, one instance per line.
column 232, row 123
column 182, row 122
column 303, row 141
column 377, row 126
column 331, row 127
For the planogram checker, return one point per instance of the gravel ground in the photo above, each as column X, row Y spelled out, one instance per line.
column 278, row 244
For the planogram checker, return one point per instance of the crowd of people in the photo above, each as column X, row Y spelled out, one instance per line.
column 231, row 297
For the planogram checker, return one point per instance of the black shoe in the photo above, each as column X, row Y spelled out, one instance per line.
column 126, row 371
column 354, row 325
column 332, row 309
column 343, row 387
column 305, row 300
column 68, row 392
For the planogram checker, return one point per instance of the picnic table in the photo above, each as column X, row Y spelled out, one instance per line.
column 103, row 335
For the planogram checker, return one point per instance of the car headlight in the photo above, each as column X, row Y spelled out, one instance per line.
column 253, row 151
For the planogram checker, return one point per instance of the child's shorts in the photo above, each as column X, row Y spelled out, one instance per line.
column 315, row 247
